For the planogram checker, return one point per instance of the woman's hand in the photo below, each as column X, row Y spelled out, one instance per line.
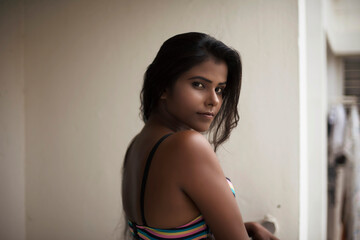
column 257, row 232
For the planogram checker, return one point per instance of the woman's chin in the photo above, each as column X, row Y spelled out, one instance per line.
column 201, row 129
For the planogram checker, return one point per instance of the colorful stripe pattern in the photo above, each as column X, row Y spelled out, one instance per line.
column 231, row 186
column 194, row 230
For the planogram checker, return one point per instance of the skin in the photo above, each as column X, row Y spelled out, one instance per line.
column 185, row 178
column 257, row 232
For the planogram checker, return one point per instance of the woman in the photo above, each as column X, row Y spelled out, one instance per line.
column 173, row 186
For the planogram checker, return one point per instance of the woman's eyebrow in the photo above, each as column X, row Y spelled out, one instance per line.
column 205, row 79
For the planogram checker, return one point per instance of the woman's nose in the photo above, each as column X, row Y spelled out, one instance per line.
column 213, row 98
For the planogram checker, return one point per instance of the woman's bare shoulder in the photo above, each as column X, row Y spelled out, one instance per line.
column 188, row 140
column 187, row 135
column 189, row 145
column 189, row 153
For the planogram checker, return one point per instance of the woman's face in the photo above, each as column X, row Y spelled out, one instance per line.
column 196, row 96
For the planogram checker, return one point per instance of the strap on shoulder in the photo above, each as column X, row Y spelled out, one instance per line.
column 146, row 173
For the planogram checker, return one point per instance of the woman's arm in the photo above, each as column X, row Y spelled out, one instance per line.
column 257, row 232
column 200, row 177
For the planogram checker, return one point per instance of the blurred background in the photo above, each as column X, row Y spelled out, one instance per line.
column 70, row 78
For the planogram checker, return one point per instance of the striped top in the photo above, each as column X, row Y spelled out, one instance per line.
column 194, row 230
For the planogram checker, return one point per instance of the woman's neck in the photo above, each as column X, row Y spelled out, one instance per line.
column 161, row 118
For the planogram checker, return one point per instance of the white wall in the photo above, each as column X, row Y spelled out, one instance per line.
column 342, row 26
column 262, row 156
column 84, row 62
column 335, row 77
column 313, row 162
column 315, row 120
column 12, row 145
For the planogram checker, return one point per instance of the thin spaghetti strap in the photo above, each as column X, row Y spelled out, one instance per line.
column 146, row 172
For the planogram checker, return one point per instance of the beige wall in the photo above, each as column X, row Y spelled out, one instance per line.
column 83, row 67
column 84, row 63
column 12, row 121
column 82, row 81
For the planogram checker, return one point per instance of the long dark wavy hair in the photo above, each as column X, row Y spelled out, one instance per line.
column 179, row 54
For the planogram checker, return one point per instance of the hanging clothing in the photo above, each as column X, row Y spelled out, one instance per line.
column 352, row 151
column 336, row 171
column 337, row 121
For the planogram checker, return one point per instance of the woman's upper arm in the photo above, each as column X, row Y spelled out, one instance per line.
column 202, row 179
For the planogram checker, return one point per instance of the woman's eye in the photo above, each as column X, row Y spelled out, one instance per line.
column 198, row 85
column 219, row 90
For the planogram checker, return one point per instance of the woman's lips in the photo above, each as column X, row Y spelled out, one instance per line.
column 208, row 115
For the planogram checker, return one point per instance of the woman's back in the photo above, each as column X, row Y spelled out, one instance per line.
column 184, row 181
column 165, row 204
